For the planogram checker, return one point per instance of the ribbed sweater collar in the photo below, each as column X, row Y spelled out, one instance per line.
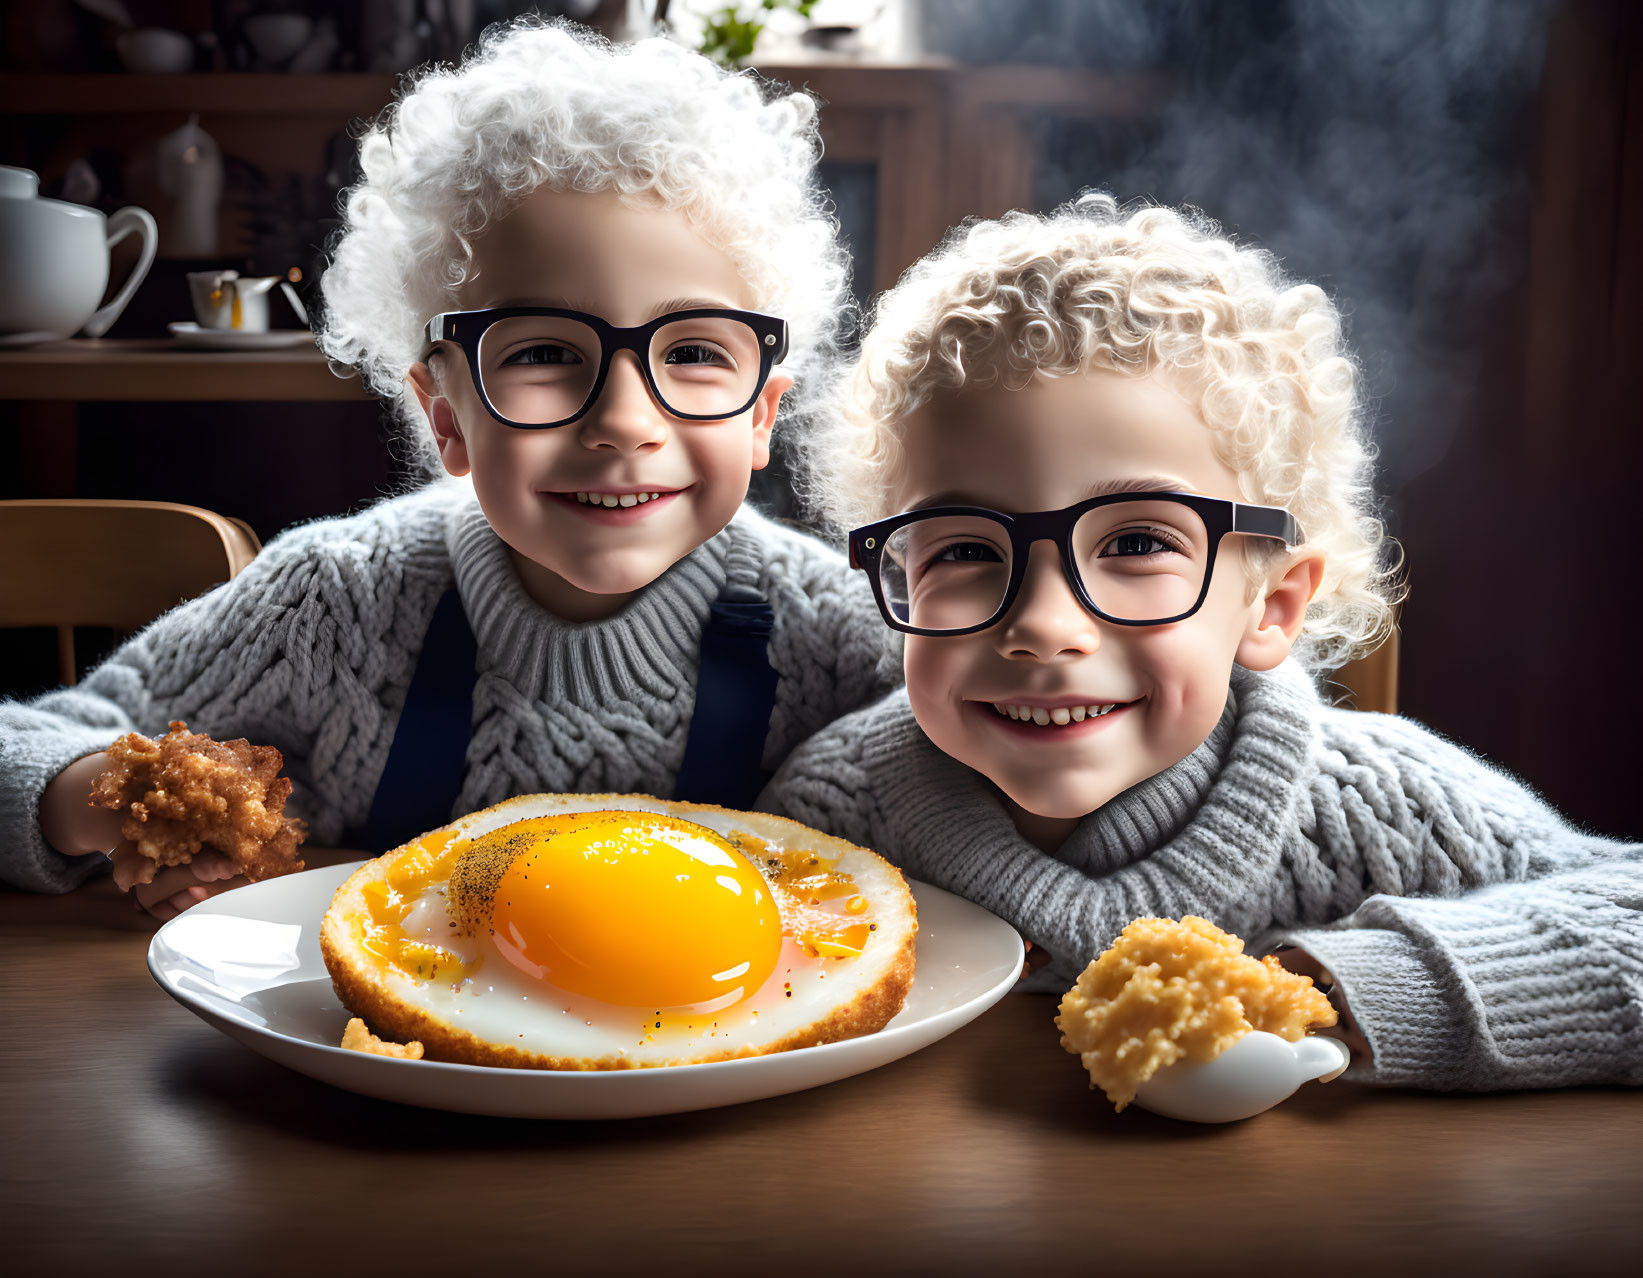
column 652, row 644
column 1147, row 815
column 1198, row 834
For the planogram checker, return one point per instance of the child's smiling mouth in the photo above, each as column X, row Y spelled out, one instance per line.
column 627, row 506
column 1038, row 722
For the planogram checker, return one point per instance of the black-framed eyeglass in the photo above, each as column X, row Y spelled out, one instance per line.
column 1131, row 558
column 537, row 367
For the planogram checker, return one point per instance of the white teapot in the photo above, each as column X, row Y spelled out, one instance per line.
column 54, row 262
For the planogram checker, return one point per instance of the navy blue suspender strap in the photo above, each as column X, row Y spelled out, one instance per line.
column 428, row 757
column 735, row 694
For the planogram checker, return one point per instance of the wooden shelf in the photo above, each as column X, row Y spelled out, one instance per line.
column 857, row 85
column 85, row 369
column 226, row 93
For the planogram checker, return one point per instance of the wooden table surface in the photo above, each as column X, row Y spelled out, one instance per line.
column 136, row 1139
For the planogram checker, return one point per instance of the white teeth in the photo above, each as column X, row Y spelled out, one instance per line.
column 1060, row 716
column 616, row 499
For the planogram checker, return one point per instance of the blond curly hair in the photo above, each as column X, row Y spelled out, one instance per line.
column 550, row 104
column 1147, row 289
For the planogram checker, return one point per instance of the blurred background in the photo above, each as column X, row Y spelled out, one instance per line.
column 1456, row 173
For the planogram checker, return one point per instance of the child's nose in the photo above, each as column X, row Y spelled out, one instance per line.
column 624, row 418
column 1046, row 620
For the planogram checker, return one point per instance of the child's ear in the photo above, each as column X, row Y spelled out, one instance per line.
column 453, row 448
column 1269, row 638
column 764, row 416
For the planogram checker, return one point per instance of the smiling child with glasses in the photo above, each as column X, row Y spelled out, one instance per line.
column 1108, row 478
column 588, row 276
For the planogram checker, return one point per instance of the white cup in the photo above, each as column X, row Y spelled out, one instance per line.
column 155, row 51
column 225, row 299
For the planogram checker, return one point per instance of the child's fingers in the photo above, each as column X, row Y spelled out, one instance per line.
column 129, row 865
column 208, row 867
column 179, row 887
column 187, row 897
column 203, row 891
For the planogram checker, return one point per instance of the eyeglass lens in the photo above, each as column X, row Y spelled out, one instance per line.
column 1138, row 560
column 541, row 369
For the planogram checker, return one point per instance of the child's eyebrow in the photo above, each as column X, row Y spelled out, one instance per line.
column 575, row 304
column 1145, row 484
column 692, row 304
column 561, row 303
column 951, row 499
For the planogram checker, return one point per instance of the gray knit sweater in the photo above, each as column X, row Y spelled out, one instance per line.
column 1481, row 940
column 312, row 649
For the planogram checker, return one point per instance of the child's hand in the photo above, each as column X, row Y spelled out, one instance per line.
column 175, row 889
column 68, row 820
column 1036, row 958
column 74, row 827
column 1345, row 1027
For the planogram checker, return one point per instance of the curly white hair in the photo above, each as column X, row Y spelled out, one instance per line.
column 547, row 103
column 1090, row 287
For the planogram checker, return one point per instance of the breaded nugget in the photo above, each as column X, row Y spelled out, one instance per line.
column 1168, row 991
column 185, row 792
column 356, row 1038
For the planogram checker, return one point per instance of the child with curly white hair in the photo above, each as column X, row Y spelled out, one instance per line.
column 1110, row 482
column 587, row 275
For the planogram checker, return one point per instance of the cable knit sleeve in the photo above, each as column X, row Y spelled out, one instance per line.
column 824, row 783
column 1536, row 984
column 309, row 649
column 1490, row 943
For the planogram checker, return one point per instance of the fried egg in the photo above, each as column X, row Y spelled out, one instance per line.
column 563, row 931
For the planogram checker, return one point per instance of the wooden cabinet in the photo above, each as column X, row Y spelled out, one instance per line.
column 919, row 145
column 942, row 141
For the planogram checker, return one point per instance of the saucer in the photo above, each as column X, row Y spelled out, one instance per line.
column 28, row 339
column 236, row 339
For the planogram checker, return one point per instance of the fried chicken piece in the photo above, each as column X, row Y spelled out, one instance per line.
column 185, row 792
column 356, row 1038
column 1166, row 991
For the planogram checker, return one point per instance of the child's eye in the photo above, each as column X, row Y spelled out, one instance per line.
column 1134, row 544
column 967, row 552
column 544, row 354
column 700, row 353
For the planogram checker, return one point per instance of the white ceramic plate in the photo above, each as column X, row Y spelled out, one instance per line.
column 232, row 339
column 248, row 962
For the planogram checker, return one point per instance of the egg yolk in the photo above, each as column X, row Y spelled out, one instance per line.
column 634, row 909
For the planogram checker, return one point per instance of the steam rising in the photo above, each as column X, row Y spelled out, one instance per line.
column 1379, row 147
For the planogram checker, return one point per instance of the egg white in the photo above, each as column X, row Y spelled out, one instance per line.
column 513, row 1019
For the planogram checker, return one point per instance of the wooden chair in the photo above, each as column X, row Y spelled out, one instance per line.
column 1370, row 683
column 115, row 564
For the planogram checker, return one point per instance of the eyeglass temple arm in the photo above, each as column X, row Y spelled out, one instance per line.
column 1266, row 521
